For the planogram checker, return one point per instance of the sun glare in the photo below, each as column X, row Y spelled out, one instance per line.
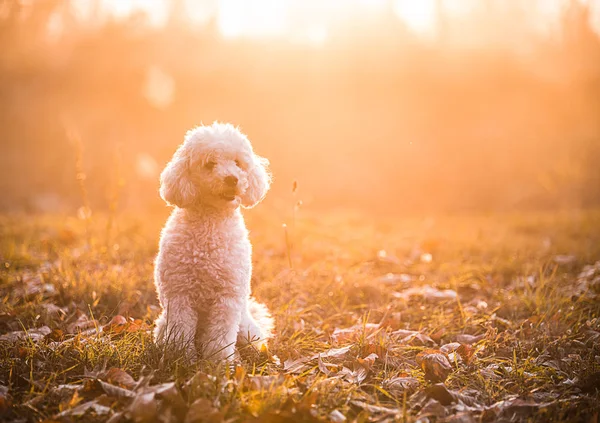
column 252, row 17
column 312, row 21
column 417, row 15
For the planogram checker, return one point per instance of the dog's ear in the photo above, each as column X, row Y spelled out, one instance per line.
column 176, row 186
column 259, row 181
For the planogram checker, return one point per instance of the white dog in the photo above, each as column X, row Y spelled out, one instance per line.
column 204, row 264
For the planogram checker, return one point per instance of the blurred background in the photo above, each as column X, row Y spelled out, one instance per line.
column 404, row 106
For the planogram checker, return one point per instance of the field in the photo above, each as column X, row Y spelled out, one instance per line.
column 455, row 319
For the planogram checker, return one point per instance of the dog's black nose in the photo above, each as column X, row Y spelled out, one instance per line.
column 231, row 180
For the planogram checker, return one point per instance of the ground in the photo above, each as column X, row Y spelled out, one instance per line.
column 457, row 319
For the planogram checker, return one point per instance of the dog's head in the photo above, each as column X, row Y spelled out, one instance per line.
column 215, row 166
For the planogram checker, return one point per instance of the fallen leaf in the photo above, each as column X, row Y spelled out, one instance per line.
column 590, row 383
column 462, row 417
column 118, row 377
column 115, row 322
column 82, row 323
column 33, row 284
column 409, row 337
column 56, row 335
column 202, row 410
column 5, row 399
column 469, row 339
column 337, row 417
column 401, row 385
column 266, row 383
column 353, row 376
column 432, row 408
column 199, row 383
column 376, row 409
column 85, row 408
column 297, row 366
column 34, row 334
column 144, row 408
column 466, row 352
column 451, row 347
column 355, row 332
column 334, row 352
column 515, row 409
column 93, row 387
column 324, row 367
column 368, row 361
column 119, row 325
column 440, row 393
column 300, row 365
column 435, row 364
column 70, row 402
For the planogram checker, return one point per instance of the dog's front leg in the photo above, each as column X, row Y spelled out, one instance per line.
column 217, row 334
column 176, row 326
column 255, row 325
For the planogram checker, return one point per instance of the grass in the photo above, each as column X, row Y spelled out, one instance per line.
column 472, row 318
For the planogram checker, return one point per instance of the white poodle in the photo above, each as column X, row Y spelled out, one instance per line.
column 204, row 264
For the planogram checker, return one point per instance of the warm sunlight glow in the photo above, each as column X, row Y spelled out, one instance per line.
column 313, row 22
column 252, row 17
column 154, row 10
column 417, row 15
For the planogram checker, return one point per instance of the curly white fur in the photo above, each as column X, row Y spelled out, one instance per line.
column 203, row 268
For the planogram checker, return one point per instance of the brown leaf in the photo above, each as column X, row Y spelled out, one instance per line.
column 199, row 383
column 440, row 393
column 375, row 409
column 81, row 324
column 466, row 352
column 448, row 348
column 337, row 417
column 118, row 377
column 56, row 335
column 265, row 382
column 400, row 385
column 110, row 389
column 34, row 334
column 469, row 339
column 85, row 408
column 115, row 323
column 5, row 399
column 143, row 408
column 297, row 366
column 354, row 333
column 393, row 321
column 435, row 364
column 368, row 361
column 411, row 337
column 515, row 409
column 120, row 325
column 202, row 410
column 432, row 408
column 334, row 352
column 463, row 417
column 22, row 352
column 323, row 367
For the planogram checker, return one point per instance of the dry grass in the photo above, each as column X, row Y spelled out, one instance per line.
column 507, row 330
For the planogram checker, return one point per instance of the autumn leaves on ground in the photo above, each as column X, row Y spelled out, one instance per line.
column 455, row 319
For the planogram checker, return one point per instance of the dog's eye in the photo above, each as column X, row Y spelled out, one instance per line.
column 210, row 165
column 238, row 164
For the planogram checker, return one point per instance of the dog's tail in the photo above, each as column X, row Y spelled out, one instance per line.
column 260, row 314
